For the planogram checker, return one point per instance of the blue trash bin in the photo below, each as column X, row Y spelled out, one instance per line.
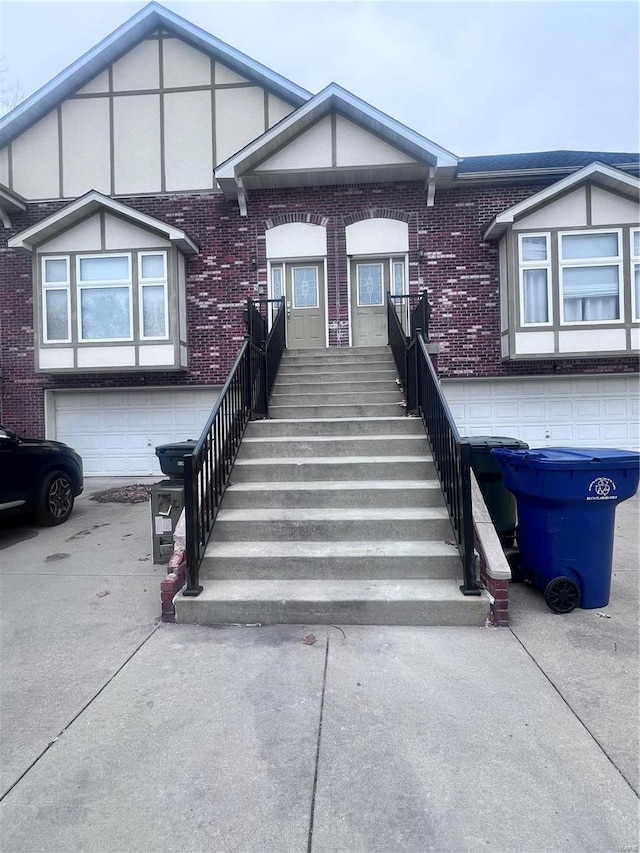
column 567, row 501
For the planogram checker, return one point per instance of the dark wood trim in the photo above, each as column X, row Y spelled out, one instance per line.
column 334, row 142
column 60, row 145
column 112, row 144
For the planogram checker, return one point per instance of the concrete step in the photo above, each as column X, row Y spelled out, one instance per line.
column 337, row 602
column 341, row 410
column 335, row 426
column 332, row 525
column 331, row 560
column 336, row 397
column 345, row 354
column 311, row 376
column 334, row 493
column 357, row 445
column 342, row 385
column 301, row 469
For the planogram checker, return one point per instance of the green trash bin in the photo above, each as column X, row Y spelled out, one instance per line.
column 500, row 502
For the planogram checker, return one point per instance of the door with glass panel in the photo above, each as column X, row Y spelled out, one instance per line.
column 304, row 293
column 371, row 280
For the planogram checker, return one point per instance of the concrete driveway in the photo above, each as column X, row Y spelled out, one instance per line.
column 122, row 734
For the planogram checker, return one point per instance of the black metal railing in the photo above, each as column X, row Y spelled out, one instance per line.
column 413, row 312
column 451, row 456
column 276, row 343
column 397, row 340
column 244, row 396
column 451, row 453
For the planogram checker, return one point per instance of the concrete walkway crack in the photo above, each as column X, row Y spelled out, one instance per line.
column 576, row 715
column 80, row 712
column 315, row 775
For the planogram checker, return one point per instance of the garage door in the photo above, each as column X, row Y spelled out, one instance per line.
column 116, row 432
column 580, row 411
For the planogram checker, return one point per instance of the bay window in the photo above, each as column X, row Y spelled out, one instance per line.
column 106, row 298
column 590, row 266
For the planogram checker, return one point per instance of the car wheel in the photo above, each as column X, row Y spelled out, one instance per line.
column 55, row 499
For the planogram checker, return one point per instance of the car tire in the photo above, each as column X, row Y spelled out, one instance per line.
column 55, row 499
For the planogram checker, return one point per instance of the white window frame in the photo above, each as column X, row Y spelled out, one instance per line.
column 64, row 286
column 591, row 262
column 279, row 268
column 535, row 265
column 402, row 263
column 152, row 282
column 92, row 285
column 635, row 265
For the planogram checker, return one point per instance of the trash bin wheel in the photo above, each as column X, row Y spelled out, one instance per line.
column 562, row 595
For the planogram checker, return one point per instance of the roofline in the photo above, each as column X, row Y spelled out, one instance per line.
column 12, row 200
column 116, row 44
column 88, row 204
column 536, row 173
column 321, row 103
column 499, row 225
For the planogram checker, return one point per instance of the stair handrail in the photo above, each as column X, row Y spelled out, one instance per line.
column 451, row 453
column 451, row 456
column 243, row 397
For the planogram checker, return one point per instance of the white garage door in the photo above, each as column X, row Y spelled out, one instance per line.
column 577, row 411
column 116, row 432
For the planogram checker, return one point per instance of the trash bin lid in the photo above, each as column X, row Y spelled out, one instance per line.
column 486, row 443
column 176, row 447
column 576, row 458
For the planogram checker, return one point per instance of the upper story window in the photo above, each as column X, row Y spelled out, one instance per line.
column 590, row 266
column 56, row 284
column 104, row 298
column 114, row 297
column 635, row 272
column 535, row 279
column 152, row 278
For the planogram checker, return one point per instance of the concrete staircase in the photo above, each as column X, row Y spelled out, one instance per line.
column 334, row 513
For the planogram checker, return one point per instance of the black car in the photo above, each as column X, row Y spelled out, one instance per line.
column 38, row 477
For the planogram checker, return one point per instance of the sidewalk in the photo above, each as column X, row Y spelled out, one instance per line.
column 378, row 740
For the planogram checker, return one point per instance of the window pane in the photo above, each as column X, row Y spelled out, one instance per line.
column 590, row 281
column 589, row 310
column 276, row 282
column 636, row 244
column 589, row 246
column 305, row 287
column 105, row 312
column 152, row 266
column 536, row 308
column 398, row 279
column 104, row 269
column 57, row 315
column 534, row 248
column 370, row 290
column 55, row 270
column 153, row 311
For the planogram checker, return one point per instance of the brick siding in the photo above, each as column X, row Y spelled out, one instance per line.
column 458, row 270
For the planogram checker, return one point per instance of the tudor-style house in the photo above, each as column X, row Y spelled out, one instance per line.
column 164, row 177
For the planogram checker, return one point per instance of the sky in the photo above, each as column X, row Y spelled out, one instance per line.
column 474, row 77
